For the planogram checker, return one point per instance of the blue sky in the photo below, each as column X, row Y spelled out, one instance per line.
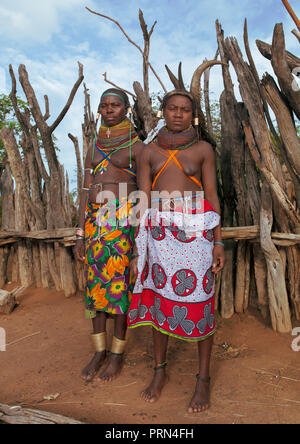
column 50, row 36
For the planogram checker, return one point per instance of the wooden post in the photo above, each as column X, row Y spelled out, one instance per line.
column 278, row 298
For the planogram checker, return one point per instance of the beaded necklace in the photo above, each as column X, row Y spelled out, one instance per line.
column 113, row 139
column 177, row 141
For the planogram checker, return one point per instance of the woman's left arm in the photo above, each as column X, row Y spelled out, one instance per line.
column 209, row 181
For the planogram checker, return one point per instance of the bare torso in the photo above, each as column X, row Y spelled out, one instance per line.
column 172, row 177
column 113, row 175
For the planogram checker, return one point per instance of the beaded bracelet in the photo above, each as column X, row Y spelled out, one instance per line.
column 79, row 232
column 219, row 243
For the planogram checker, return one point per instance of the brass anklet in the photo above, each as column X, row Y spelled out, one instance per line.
column 118, row 346
column 99, row 341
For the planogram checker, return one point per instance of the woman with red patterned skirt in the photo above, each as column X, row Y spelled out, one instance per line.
column 178, row 243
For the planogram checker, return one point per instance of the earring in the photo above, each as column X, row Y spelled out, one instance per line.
column 159, row 114
column 197, row 127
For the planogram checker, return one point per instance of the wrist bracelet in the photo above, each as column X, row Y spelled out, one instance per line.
column 219, row 243
column 79, row 237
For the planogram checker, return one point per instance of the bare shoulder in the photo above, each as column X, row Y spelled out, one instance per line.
column 138, row 148
column 147, row 151
column 205, row 149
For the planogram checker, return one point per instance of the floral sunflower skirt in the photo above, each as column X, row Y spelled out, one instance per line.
column 174, row 290
column 109, row 240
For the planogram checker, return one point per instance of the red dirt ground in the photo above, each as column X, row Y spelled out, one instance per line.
column 255, row 373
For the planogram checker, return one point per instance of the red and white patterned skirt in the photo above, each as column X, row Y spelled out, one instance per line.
column 174, row 291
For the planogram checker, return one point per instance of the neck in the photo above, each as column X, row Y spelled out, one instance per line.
column 176, row 140
column 107, row 125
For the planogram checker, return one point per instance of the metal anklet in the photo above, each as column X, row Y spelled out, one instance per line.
column 207, row 380
column 159, row 366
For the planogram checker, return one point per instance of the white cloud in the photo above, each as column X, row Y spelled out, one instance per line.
column 35, row 21
column 2, row 81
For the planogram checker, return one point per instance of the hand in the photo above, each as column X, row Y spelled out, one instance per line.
column 218, row 258
column 79, row 250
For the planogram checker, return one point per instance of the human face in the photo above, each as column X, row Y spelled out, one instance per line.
column 112, row 110
column 178, row 113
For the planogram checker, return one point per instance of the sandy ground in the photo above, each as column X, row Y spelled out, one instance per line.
column 255, row 373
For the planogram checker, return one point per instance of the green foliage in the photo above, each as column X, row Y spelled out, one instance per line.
column 8, row 118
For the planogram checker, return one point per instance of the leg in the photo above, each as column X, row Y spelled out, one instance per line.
column 99, row 326
column 153, row 391
column 115, row 360
column 200, row 400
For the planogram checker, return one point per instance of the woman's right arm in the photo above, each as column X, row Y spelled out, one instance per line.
column 144, row 182
column 79, row 247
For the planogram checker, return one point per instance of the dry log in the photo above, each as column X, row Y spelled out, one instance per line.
column 79, row 166
column 292, row 13
column 7, row 201
column 177, row 82
column 278, row 298
column 37, row 171
column 227, row 287
column 266, row 50
column 56, row 189
column 282, row 70
column 117, row 86
column 291, row 142
column 7, row 302
column 233, row 139
column 254, row 201
column 266, row 159
column 66, row 108
column 131, row 41
column 278, row 192
column 89, row 125
column 144, row 108
column 8, row 299
column 147, row 36
column 296, row 34
column 4, row 254
column 21, row 197
column 8, row 217
column 19, row 415
column 207, row 102
column 64, row 235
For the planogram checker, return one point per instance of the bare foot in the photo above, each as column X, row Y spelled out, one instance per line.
column 112, row 369
column 200, row 400
column 90, row 371
column 152, row 393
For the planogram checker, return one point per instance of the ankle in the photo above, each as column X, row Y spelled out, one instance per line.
column 160, row 366
column 202, row 379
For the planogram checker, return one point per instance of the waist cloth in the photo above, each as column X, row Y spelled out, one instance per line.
column 109, row 239
column 174, row 290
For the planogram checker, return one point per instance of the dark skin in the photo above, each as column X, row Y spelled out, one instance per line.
column 199, row 161
column 113, row 111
